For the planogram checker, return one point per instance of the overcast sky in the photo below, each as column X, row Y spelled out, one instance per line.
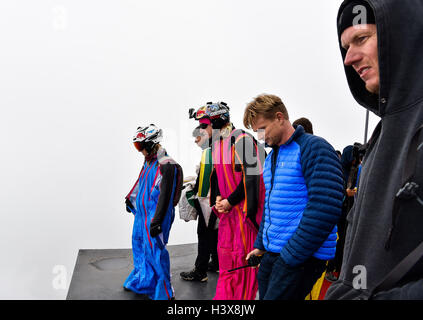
column 78, row 77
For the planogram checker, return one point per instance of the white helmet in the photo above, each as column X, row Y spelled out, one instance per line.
column 147, row 137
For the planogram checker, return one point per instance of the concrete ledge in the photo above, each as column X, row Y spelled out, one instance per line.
column 99, row 275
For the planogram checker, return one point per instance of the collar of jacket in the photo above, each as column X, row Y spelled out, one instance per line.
column 226, row 130
column 299, row 130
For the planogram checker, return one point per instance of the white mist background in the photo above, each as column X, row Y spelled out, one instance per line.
column 78, row 77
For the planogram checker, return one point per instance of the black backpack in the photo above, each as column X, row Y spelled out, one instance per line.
column 408, row 197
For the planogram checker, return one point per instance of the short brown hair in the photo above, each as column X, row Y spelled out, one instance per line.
column 265, row 105
column 305, row 123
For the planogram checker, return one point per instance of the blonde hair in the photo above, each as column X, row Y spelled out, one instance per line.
column 265, row 105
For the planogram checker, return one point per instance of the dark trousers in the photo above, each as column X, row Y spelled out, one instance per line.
column 336, row 263
column 207, row 243
column 279, row 281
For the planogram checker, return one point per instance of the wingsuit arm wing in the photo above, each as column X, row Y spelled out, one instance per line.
column 130, row 206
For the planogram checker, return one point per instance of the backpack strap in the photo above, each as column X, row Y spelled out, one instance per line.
column 409, row 187
column 408, row 191
column 400, row 270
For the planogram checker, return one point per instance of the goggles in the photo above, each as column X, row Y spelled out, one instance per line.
column 139, row 145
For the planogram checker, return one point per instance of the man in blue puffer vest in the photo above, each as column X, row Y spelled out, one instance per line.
column 304, row 190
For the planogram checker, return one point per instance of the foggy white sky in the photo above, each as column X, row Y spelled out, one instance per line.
column 78, row 77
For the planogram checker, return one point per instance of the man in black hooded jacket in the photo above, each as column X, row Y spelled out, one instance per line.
column 381, row 47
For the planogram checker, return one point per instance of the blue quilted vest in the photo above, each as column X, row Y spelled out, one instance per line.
column 287, row 198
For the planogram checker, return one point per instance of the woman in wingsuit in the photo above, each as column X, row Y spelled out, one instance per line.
column 152, row 201
column 237, row 198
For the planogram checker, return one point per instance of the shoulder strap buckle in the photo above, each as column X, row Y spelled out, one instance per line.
column 408, row 191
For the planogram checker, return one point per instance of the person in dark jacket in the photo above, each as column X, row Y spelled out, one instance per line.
column 207, row 222
column 305, row 123
column 380, row 42
column 304, row 190
column 350, row 166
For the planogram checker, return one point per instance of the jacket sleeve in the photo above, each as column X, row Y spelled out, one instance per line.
column 410, row 291
column 166, row 188
column 214, row 188
column 323, row 177
column 238, row 195
column 197, row 182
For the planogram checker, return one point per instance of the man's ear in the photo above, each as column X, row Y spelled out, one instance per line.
column 279, row 116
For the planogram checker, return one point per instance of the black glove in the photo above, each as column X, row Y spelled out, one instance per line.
column 129, row 206
column 254, row 260
column 155, row 229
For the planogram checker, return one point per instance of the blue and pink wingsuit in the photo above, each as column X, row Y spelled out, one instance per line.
column 151, row 274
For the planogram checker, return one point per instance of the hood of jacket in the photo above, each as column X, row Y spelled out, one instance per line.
column 399, row 29
column 347, row 157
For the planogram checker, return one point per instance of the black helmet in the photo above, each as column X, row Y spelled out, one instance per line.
column 216, row 113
